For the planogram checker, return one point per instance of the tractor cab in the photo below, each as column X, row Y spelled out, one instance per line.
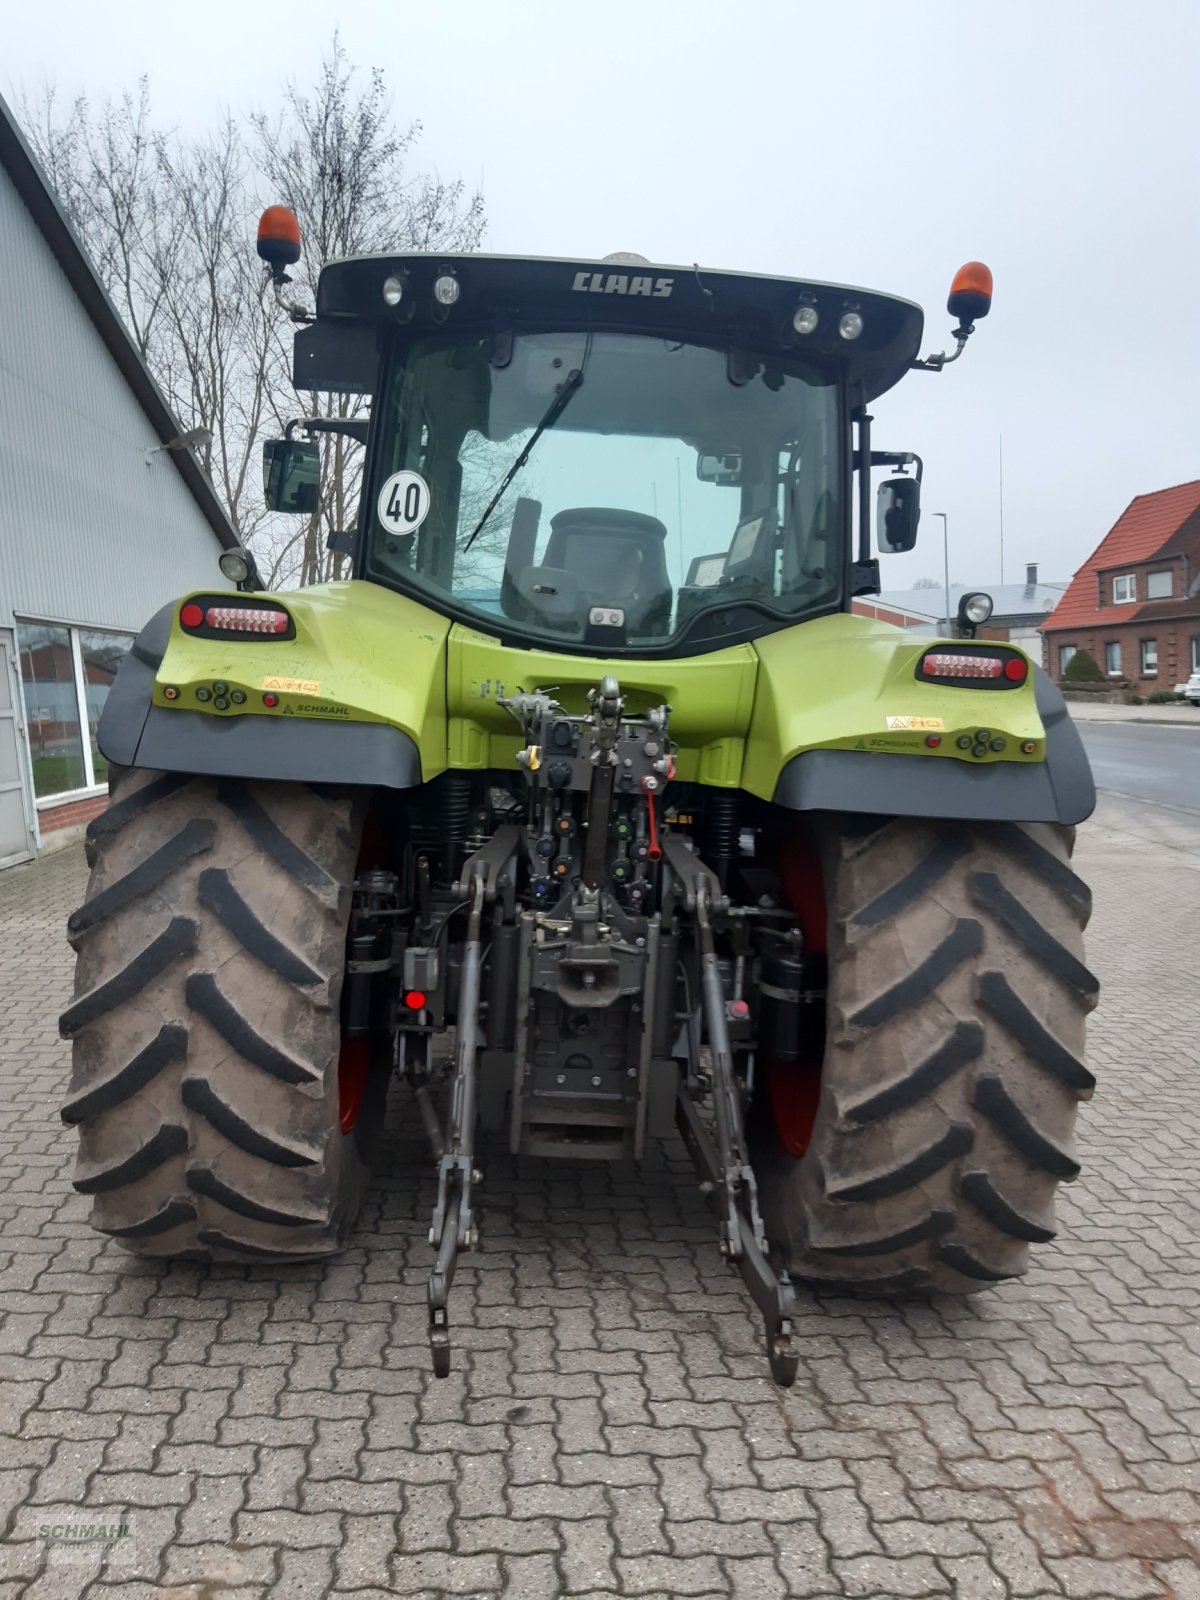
column 642, row 459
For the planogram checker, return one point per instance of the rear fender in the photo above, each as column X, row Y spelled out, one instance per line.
column 1058, row 788
column 359, row 694
column 843, row 722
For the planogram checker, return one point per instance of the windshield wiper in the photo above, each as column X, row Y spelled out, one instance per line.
column 554, row 410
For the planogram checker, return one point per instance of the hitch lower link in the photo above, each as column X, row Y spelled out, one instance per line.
column 485, row 876
column 723, row 1166
column 453, row 1227
column 726, row 1176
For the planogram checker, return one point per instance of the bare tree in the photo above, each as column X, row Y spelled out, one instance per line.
column 218, row 342
column 169, row 222
column 336, row 158
column 105, row 168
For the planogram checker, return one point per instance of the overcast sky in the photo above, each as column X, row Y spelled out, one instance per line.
column 879, row 144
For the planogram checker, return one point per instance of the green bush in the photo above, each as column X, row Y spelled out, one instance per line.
column 1082, row 669
column 1163, row 697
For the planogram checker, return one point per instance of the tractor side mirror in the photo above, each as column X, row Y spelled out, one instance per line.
column 291, row 474
column 897, row 513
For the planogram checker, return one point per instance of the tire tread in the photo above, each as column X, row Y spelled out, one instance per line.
column 211, row 949
column 954, row 1064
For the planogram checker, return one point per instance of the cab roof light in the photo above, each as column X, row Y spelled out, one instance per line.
column 970, row 293
column 279, row 247
column 446, row 288
column 970, row 300
column 279, row 238
column 806, row 318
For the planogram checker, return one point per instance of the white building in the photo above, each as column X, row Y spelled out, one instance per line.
column 99, row 525
column 1018, row 609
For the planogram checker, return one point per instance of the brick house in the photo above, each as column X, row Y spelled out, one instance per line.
column 1134, row 605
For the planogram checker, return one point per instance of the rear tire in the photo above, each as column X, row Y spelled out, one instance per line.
column 211, row 950
column 953, row 1066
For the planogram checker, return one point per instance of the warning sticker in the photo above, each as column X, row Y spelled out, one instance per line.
column 403, row 503
column 292, row 685
column 916, row 724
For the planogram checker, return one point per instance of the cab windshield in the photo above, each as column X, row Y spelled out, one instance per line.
column 647, row 480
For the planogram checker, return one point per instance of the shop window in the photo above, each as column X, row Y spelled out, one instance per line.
column 66, row 674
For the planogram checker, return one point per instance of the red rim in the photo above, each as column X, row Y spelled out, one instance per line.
column 794, row 1087
column 354, row 1056
column 354, row 1064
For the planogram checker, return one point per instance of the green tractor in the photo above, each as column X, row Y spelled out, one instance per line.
column 589, row 807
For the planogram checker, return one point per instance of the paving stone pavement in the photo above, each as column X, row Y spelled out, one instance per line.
column 609, row 1428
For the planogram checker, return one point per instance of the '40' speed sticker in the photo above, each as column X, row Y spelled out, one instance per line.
column 403, row 503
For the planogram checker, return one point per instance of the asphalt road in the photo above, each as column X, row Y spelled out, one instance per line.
column 1156, row 765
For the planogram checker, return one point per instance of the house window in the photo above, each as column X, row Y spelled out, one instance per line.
column 1196, row 652
column 1149, row 658
column 66, row 674
column 1112, row 658
column 1158, row 585
column 1124, row 589
column 1065, row 652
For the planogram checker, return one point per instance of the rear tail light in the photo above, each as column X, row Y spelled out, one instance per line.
column 942, row 665
column 212, row 616
column 982, row 669
column 246, row 619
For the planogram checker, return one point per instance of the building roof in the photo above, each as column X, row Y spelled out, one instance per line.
column 42, row 203
column 1008, row 599
column 1146, row 528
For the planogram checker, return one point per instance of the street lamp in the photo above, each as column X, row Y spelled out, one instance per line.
column 945, row 563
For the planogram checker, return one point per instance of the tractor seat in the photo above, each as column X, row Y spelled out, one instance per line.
column 618, row 558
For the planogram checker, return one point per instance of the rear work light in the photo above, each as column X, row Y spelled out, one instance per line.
column 211, row 617
column 980, row 669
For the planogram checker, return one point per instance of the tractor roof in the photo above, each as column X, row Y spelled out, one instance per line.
column 631, row 295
